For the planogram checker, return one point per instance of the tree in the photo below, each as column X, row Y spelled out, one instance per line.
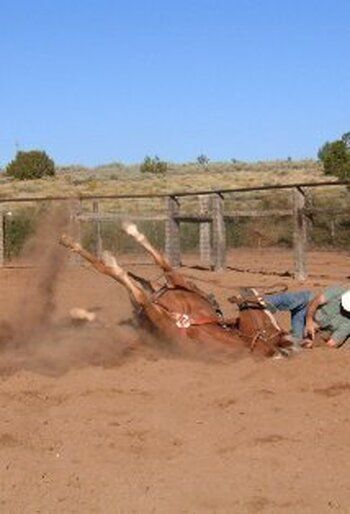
column 203, row 160
column 323, row 150
column 335, row 157
column 153, row 165
column 31, row 165
column 346, row 139
column 336, row 160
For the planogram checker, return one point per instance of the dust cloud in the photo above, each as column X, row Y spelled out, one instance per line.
column 31, row 338
column 38, row 303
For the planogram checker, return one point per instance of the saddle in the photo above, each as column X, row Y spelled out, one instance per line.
column 176, row 282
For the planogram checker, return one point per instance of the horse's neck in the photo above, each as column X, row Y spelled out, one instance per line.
column 272, row 320
column 254, row 320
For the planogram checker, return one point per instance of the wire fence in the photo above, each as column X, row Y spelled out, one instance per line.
column 294, row 216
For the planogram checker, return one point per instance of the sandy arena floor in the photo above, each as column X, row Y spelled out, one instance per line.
column 91, row 422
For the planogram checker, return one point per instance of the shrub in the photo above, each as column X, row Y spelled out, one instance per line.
column 336, row 159
column 323, row 151
column 346, row 139
column 203, row 160
column 153, row 165
column 19, row 226
column 31, row 165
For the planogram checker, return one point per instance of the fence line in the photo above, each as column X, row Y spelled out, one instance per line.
column 211, row 218
column 176, row 194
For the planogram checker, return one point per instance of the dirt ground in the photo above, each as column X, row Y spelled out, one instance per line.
column 100, row 420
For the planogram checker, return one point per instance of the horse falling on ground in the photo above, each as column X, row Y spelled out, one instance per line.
column 179, row 311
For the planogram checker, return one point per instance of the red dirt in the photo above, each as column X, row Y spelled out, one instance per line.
column 92, row 422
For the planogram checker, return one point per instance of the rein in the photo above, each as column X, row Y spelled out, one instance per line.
column 261, row 335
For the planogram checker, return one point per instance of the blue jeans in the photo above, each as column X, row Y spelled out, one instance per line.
column 296, row 304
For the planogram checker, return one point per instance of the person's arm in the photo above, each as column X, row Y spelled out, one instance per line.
column 339, row 336
column 310, row 325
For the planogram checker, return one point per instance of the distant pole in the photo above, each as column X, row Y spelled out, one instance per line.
column 204, row 231
column 2, row 238
column 299, row 234
column 332, row 229
column 75, row 224
column 96, row 210
column 219, row 233
column 172, row 232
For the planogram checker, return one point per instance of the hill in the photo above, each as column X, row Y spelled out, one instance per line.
column 122, row 179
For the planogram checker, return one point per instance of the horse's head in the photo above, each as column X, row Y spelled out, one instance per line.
column 256, row 324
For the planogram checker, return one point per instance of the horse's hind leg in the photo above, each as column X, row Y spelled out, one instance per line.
column 159, row 258
column 173, row 278
column 158, row 316
column 108, row 266
column 122, row 276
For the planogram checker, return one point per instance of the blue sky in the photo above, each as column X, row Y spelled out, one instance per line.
column 96, row 81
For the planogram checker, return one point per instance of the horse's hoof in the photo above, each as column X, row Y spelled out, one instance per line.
column 277, row 356
column 295, row 348
column 130, row 228
column 78, row 314
column 282, row 353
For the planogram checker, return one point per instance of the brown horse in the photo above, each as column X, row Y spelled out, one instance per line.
column 179, row 310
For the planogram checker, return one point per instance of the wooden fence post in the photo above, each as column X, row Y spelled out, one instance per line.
column 299, row 234
column 219, row 234
column 75, row 225
column 96, row 211
column 172, row 232
column 2, row 238
column 332, row 224
column 205, row 231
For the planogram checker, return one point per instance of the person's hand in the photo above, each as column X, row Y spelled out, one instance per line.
column 310, row 329
column 331, row 343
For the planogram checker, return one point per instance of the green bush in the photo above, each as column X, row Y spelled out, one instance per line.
column 335, row 157
column 323, row 150
column 31, row 165
column 203, row 160
column 19, row 226
column 346, row 139
column 154, row 165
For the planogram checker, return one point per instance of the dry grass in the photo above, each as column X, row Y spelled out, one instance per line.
column 127, row 180
column 119, row 179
